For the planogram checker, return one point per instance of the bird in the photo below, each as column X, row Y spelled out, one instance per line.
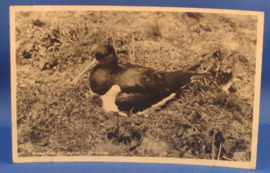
column 131, row 88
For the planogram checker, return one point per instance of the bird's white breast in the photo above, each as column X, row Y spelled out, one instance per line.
column 108, row 99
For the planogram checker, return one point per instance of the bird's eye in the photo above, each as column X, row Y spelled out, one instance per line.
column 98, row 56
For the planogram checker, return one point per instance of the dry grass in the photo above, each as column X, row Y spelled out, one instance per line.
column 211, row 119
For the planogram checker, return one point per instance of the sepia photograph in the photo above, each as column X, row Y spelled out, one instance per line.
column 135, row 84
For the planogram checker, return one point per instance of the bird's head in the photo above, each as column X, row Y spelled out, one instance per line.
column 104, row 55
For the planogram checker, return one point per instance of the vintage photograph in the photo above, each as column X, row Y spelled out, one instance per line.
column 135, row 84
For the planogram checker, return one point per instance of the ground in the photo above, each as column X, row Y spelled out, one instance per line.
column 210, row 119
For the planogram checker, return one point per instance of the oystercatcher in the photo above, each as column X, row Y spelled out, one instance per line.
column 126, row 88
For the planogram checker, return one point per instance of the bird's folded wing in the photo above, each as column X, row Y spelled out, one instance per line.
column 139, row 79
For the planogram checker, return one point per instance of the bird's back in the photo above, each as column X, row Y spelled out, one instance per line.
column 140, row 79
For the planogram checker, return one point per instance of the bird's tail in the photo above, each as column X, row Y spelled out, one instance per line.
column 178, row 79
column 198, row 76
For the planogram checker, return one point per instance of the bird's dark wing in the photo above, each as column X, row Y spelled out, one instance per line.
column 135, row 79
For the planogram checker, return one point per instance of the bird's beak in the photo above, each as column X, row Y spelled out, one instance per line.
column 89, row 67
